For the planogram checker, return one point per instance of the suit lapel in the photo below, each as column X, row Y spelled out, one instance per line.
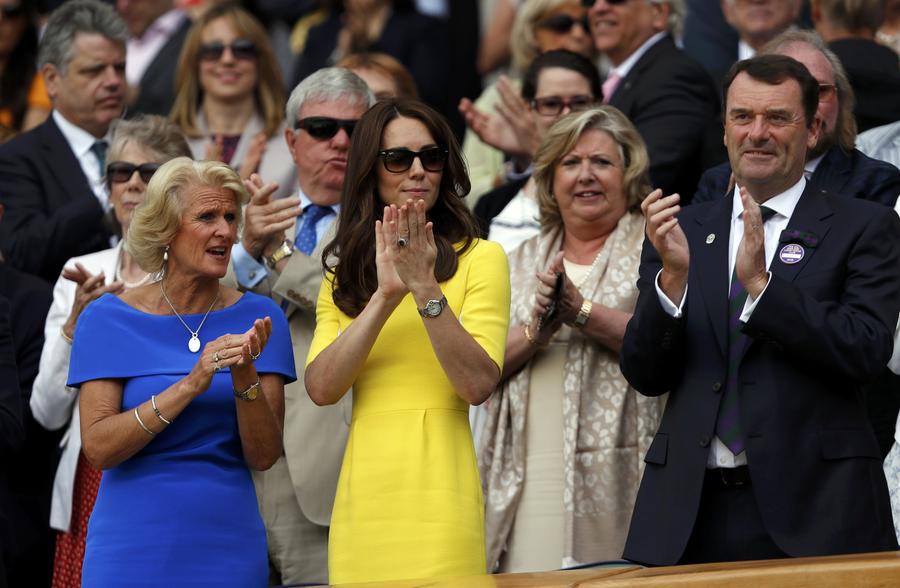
column 833, row 171
column 711, row 251
column 624, row 95
column 65, row 166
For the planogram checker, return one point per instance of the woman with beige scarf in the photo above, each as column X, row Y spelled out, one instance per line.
column 562, row 453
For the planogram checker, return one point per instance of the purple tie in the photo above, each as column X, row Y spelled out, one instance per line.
column 728, row 423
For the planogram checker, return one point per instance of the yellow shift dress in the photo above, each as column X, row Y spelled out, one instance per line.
column 409, row 499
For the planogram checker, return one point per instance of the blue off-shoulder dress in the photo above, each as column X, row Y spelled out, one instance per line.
column 183, row 510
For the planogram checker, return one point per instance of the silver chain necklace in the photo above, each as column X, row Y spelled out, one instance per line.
column 194, row 341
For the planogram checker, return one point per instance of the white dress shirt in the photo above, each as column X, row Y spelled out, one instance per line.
column 623, row 68
column 783, row 204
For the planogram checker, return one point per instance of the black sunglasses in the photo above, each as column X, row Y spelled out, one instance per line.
column 563, row 23
column 325, row 127
column 589, row 3
column 240, row 49
column 118, row 172
column 399, row 160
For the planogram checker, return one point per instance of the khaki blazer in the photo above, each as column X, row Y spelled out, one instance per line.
column 314, row 436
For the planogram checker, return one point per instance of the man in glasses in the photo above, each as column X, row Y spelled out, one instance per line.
column 280, row 255
column 670, row 98
column 158, row 31
column 834, row 163
column 51, row 178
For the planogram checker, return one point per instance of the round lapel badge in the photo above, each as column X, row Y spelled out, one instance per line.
column 710, row 238
column 791, row 253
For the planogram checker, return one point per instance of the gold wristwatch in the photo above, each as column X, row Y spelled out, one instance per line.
column 286, row 250
column 584, row 313
column 250, row 393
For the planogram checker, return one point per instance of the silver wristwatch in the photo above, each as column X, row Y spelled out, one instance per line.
column 433, row 308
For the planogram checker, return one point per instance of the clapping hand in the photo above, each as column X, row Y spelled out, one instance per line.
column 511, row 130
column 90, row 287
column 266, row 220
column 750, row 263
column 405, row 249
column 230, row 351
column 664, row 232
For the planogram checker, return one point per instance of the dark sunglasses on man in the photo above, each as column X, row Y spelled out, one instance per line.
column 240, row 49
column 399, row 160
column 589, row 3
column 563, row 23
column 118, row 172
column 325, row 127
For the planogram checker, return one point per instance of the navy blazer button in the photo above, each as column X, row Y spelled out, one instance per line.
column 704, row 441
column 717, row 386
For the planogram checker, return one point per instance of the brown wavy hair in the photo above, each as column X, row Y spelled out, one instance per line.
column 354, row 273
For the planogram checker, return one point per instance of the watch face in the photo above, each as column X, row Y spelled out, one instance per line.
column 433, row 307
column 252, row 393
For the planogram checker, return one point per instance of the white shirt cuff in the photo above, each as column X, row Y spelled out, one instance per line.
column 750, row 303
column 247, row 270
column 669, row 306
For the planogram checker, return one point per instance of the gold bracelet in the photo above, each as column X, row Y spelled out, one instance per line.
column 141, row 423
column 64, row 336
column 156, row 410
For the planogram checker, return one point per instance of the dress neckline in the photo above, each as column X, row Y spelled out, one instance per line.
column 211, row 313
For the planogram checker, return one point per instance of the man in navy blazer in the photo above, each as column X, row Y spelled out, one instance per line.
column 51, row 176
column 764, row 449
column 834, row 164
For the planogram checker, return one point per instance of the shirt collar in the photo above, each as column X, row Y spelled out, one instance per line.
column 812, row 164
column 305, row 201
column 783, row 204
column 623, row 68
column 79, row 140
column 167, row 23
column 745, row 51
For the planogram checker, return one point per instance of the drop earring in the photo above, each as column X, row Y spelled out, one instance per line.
column 166, row 255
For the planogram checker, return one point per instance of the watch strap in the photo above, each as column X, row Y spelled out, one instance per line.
column 286, row 250
column 250, row 393
column 584, row 313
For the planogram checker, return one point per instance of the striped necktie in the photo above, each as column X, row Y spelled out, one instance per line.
column 728, row 424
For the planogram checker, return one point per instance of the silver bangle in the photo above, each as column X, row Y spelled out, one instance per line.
column 156, row 410
column 141, row 423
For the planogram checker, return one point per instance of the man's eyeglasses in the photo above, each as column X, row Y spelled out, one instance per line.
column 826, row 90
column 563, row 23
column 325, row 127
column 398, row 161
column 589, row 3
column 554, row 105
column 118, row 172
column 240, row 49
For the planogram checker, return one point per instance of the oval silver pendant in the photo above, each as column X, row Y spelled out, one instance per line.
column 194, row 344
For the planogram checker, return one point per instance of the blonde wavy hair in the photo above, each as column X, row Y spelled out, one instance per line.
column 157, row 219
column 561, row 139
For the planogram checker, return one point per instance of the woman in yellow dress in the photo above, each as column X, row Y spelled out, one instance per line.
column 413, row 315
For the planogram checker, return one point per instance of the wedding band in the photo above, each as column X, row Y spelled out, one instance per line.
column 402, row 242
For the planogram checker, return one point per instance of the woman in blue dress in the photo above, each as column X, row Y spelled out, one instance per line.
column 182, row 389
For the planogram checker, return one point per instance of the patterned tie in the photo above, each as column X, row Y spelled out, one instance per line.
column 306, row 236
column 610, row 85
column 99, row 151
column 728, row 424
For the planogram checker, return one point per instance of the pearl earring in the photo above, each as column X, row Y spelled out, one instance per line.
column 166, row 254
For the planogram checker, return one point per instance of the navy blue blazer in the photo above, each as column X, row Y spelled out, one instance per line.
column 51, row 212
column 823, row 327
column 851, row 174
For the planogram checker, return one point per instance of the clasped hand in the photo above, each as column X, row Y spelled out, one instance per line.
column 568, row 304
column 405, row 265
column 235, row 351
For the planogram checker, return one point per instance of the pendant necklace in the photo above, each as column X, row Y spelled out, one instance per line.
column 194, row 341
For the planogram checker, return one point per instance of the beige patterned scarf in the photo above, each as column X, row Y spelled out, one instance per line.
column 607, row 426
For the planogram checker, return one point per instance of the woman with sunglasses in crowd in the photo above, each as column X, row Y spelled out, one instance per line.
column 230, row 97
column 413, row 316
column 138, row 147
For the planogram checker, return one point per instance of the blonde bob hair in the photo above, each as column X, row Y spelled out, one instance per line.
column 561, row 139
column 157, row 219
column 522, row 42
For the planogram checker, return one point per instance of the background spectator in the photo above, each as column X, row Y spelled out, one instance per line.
column 23, row 100
column 385, row 76
column 230, row 100
column 562, row 454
